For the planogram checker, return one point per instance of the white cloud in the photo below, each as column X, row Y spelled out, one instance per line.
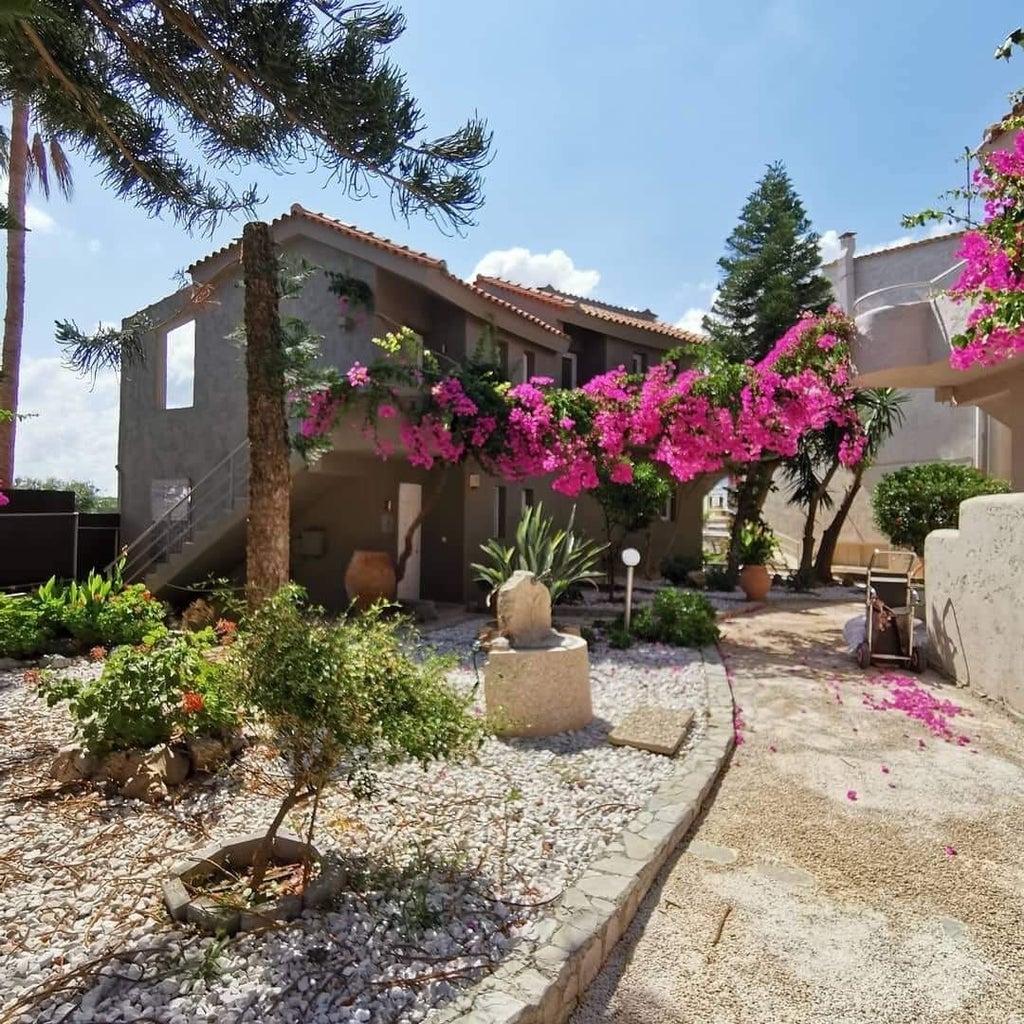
column 693, row 318
column 829, row 247
column 555, row 268
column 36, row 218
column 39, row 220
column 73, row 430
column 94, row 245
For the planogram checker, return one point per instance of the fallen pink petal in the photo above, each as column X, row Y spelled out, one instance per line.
column 949, row 851
column 851, row 794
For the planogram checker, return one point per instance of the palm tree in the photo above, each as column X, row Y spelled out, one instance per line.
column 881, row 414
column 30, row 160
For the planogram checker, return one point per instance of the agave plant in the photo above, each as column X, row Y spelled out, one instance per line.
column 560, row 559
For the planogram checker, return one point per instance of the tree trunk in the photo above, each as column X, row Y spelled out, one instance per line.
column 266, row 549
column 805, row 574
column 750, row 498
column 830, row 536
column 14, row 316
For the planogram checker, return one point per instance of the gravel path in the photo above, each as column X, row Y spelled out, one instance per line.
column 855, row 867
column 451, row 867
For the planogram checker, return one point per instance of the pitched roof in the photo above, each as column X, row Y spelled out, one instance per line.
column 394, row 249
column 643, row 320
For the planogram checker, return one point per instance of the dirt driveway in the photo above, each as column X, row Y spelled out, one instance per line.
column 854, row 866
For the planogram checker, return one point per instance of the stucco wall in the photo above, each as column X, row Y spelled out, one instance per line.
column 975, row 601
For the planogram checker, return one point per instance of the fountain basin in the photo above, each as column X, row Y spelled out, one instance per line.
column 539, row 691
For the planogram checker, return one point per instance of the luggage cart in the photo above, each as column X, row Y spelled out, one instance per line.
column 889, row 611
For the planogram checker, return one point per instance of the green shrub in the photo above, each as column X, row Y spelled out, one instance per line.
column 718, row 578
column 619, row 638
column 560, row 559
column 679, row 618
column 344, row 693
column 677, row 568
column 149, row 694
column 912, row 501
column 22, row 633
column 121, row 618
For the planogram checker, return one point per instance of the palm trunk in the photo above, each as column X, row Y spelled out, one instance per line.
column 830, row 537
column 266, row 550
column 14, row 315
column 805, row 575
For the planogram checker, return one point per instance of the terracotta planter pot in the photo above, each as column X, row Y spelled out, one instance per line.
column 755, row 582
column 370, row 577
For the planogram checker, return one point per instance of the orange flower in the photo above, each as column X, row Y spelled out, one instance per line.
column 32, row 676
column 226, row 630
column 97, row 653
column 147, row 596
column 192, row 702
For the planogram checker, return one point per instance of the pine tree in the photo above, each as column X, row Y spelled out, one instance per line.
column 770, row 276
column 770, row 271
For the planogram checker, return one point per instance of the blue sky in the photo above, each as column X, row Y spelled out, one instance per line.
column 626, row 136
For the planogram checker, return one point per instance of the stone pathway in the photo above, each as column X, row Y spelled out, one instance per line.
column 853, row 867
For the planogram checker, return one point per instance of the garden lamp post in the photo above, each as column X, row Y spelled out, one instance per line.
column 631, row 559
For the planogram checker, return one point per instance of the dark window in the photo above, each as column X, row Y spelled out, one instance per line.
column 500, row 510
column 569, row 370
column 527, row 498
column 639, row 362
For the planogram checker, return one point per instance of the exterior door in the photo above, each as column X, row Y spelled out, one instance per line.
column 410, row 501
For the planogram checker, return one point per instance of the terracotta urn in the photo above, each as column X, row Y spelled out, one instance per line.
column 755, row 582
column 370, row 577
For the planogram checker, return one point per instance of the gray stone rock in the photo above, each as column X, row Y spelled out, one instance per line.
column 524, row 609
column 207, row 753
column 72, row 764
column 659, row 730
column 170, row 765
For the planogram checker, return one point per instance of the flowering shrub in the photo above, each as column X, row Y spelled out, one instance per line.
column 148, row 695
column 993, row 278
column 125, row 617
column 688, row 421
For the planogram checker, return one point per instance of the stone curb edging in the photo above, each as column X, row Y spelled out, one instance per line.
column 543, row 981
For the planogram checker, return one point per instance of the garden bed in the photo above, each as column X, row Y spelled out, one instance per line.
column 447, row 869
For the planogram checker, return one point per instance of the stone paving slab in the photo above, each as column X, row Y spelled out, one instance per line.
column 659, row 730
column 543, row 981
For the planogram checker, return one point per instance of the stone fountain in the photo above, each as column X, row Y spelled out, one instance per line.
column 536, row 680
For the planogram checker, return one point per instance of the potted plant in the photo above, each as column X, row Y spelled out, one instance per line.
column 757, row 545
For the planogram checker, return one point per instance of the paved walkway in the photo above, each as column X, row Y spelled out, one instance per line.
column 852, row 866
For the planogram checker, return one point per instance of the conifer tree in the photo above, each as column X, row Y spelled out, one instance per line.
column 770, row 276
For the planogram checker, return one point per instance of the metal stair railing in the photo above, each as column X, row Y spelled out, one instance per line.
column 205, row 503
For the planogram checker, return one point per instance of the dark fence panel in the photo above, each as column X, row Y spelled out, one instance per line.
column 99, row 539
column 41, row 535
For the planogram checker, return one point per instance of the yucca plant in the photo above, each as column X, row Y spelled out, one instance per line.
column 560, row 559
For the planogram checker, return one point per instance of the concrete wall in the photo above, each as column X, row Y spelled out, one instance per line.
column 352, row 512
column 975, row 601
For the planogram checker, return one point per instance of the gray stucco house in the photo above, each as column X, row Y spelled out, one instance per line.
column 182, row 449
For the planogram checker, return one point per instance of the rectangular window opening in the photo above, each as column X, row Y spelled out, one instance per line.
column 500, row 509
column 527, row 498
column 668, row 511
column 180, row 367
column 639, row 362
column 569, row 367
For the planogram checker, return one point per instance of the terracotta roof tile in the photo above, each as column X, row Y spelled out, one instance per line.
column 643, row 320
column 402, row 251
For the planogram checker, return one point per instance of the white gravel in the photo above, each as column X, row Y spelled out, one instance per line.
column 450, row 867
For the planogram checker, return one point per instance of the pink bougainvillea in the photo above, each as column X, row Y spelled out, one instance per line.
column 915, row 701
column 689, row 421
column 993, row 276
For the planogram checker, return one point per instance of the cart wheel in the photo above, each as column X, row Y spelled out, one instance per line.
column 916, row 664
column 863, row 655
